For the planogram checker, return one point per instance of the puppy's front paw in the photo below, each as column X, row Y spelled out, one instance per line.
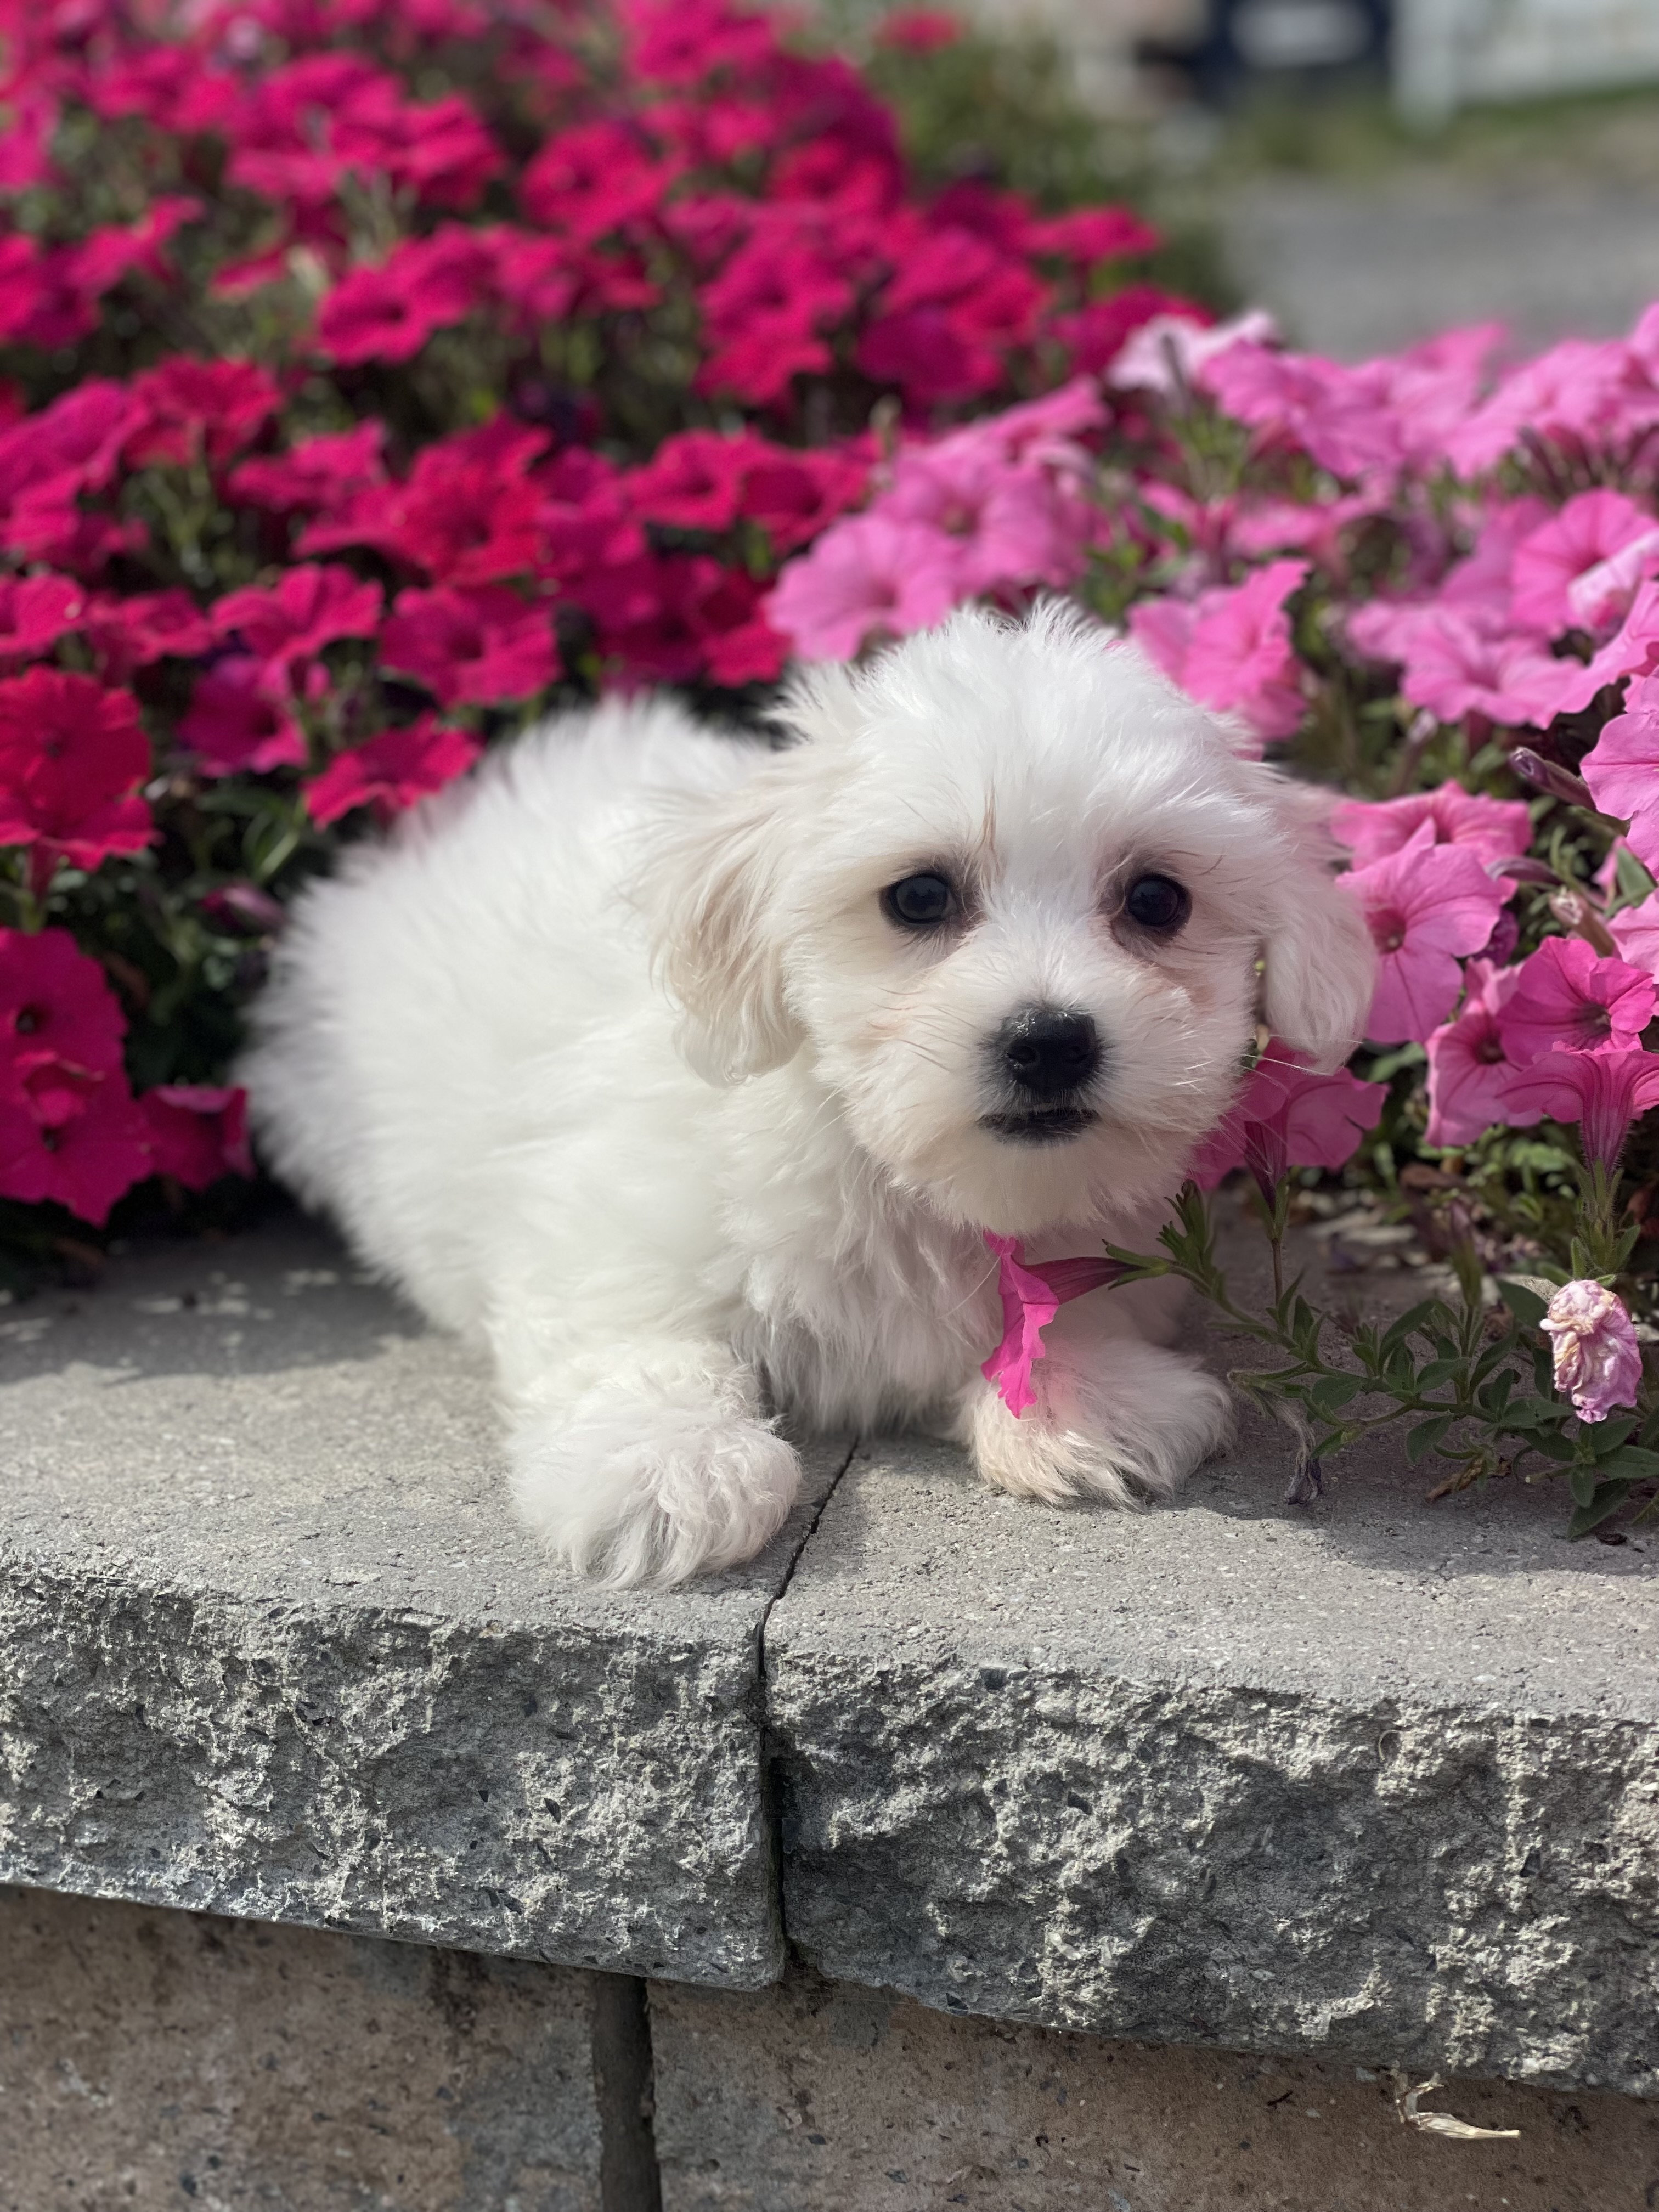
column 652, row 1477
column 1125, row 1435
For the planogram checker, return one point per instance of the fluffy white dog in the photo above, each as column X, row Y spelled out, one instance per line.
column 688, row 1073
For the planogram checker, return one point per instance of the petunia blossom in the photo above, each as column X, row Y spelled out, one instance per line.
column 1471, row 1075
column 237, row 723
column 1604, row 1092
column 1622, row 769
column 1587, row 532
column 1568, row 994
column 1491, row 829
column 1032, row 1293
column 1428, row 906
column 1231, row 648
column 75, row 1136
column 1634, row 931
column 1289, row 1116
column 391, row 772
column 481, row 647
column 869, row 578
column 55, row 1000
column 1597, row 1359
column 197, row 1132
column 72, row 755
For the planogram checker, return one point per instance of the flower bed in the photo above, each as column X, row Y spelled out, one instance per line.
column 374, row 377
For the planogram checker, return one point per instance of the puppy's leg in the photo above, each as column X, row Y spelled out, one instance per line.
column 1124, row 1424
column 647, row 1463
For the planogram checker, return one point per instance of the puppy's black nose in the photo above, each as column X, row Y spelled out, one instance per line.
column 1046, row 1052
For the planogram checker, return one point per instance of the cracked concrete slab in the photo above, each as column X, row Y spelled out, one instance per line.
column 1377, row 1779
column 272, row 1644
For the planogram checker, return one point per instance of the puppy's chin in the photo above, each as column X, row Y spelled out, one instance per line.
column 1019, row 1181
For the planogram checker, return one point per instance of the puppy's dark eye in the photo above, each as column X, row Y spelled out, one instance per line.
column 919, row 902
column 1158, row 902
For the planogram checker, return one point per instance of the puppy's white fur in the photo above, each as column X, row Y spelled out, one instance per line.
column 612, row 1060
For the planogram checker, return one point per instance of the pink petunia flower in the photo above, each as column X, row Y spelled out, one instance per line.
column 1568, row 994
column 1597, row 1359
column 391, row 772
column 1633, row 650
column 1622, row 770
column 1635, row 932
column 1032, row 1294
column 1174, row 349
column 1493, row 828
column 1470, row 1073
column 867, row 578
column 1428, row 905
column 72, row 755
column 1286, row 1116
column 1459, row 663
column 1587, row 532
column 1329, row 411
column 483, row 646
column 1231, row 648
column 1604, row 1092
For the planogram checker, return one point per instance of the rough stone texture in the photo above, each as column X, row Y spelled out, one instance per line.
column 272, row 1644
column 1377, row 1779
column 158, row 2060
column 820, row 2098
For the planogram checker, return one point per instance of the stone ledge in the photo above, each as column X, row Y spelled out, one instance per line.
column 271, row 1645
column 1377, row 1782
column 1380, row 1780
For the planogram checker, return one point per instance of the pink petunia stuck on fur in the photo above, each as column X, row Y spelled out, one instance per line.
column 1031, row 1297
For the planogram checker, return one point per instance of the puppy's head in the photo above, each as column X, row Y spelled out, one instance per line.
column 1022, row 905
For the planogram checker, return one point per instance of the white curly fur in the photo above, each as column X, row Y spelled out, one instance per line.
column 612, row 1059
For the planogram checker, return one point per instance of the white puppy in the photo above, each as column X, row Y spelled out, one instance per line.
column 687, row 1073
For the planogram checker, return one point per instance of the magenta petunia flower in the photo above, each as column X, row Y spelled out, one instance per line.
column 55, row 1002
column 311, row 607
column 1567, row 994
column 236, row 722
column 76, row 1136
column 391, row 772
column 483, row 647
column 197, row 1133
column 35, row 612
column 72, row 755
column 1428, row 906
column 1287, row 1115
column 1598, row 1361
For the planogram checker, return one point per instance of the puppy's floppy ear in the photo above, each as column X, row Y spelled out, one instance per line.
column 711, row 887
column 1319, row 961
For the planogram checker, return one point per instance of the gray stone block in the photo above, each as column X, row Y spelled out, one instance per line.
column 816, row 2097
column 1379, row 1780
column 272, row 1644
column 154, row 2060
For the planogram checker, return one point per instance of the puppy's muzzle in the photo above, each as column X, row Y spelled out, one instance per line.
column 1046, row 1058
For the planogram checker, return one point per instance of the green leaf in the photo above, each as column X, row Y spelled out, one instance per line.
column 1604, row 1437
column 1591, row 1512
column 1526, row 1305
column 1630, row 1463
column 1407, row 1324
column 1584, row 1481
column 1496, row 1395
column 1437, row 1371
column 1424, row 1435
column 1335, row 1391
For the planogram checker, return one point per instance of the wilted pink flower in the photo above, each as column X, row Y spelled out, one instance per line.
column 1427, row 905
column 1598, row 1362
column 1032, row 1294
column 866, row 578
column 1622, row 770
column 1286, row 1116
column 1493, row 828
column 1604, row 1092
column 1231, row 648
column 391, row 772
column 1567, row 994
column 1470, row 1074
